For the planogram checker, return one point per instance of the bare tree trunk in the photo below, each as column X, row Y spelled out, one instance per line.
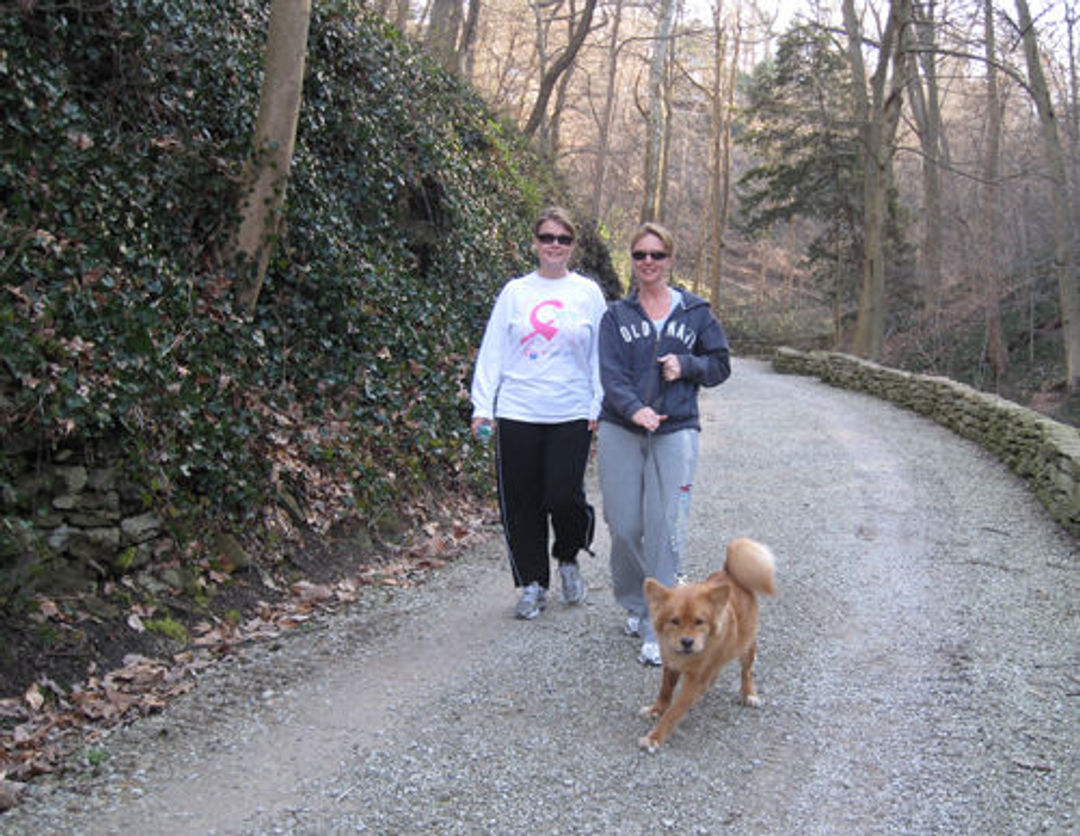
column 1064, row 260
column 558, row 67
column 721, row 99
column 275, row 137
column 555, row 123
column 838, row 295
column 561, row 91
column 664, row 172
column 654, row 140
column 716, row 174
column 603, row 142
column 442, row 33
column 722, row 176
column 926, row 108
column 394, row 11
column 467, row 43
column 1073, row 124
column 542, row 23
column 878, row 114
column 401, row 14
column 997, row 355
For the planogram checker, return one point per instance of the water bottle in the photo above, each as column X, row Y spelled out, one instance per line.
column 483, row 433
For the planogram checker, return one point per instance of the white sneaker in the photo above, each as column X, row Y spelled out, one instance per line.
column 650, row 654
column 533, row 599
column 574, row 590
column 633, row 625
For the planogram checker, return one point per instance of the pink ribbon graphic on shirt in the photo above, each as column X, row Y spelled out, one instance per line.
column 547, row 330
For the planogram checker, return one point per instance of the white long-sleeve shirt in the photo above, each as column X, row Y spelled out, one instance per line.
column 539, row 360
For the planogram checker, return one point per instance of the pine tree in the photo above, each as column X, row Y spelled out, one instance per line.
column 801, row 133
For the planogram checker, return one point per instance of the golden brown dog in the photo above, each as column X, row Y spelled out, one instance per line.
column 703, row 626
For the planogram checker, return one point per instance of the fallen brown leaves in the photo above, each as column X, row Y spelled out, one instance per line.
column 47, row 717
column 40, row 729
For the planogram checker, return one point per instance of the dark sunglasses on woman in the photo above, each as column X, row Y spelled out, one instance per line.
column 548, row 238
column 641, row 255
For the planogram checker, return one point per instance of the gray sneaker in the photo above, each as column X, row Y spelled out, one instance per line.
column 574, row 590
column 533, row 599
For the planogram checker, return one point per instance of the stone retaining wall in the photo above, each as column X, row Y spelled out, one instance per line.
column 83, row 512
column 1044, row 452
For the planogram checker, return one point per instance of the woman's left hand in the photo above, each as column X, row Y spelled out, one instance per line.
column 672, row 369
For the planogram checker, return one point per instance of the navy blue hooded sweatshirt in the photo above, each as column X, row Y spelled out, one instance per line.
column 631, row 374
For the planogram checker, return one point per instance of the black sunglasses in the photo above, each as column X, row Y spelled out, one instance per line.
column 641, row 255
column 548, row 238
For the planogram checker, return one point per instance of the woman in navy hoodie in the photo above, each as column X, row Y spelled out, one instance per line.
column 658, row 346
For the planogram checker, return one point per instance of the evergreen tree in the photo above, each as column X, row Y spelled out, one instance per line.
column 802, row 135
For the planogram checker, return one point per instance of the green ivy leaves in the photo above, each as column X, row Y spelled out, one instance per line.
column 125, row 129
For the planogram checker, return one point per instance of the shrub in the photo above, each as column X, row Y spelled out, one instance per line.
column 126, row 125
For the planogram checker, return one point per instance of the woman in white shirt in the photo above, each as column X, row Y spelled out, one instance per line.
column 537, row 378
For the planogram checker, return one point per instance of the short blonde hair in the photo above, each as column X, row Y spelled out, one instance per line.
column 659, row 230
column 558, row 215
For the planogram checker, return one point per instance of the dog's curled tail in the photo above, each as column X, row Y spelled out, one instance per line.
column 751, row 564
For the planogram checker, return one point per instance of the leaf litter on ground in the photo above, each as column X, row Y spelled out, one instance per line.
column 42, row 730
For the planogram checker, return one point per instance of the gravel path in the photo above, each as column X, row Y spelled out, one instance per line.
column 918, row 670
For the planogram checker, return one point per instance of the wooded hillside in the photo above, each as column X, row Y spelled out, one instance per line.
column 143, row 411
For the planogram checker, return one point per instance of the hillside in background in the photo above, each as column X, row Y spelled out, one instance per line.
column 333, row 425
column 767, row 301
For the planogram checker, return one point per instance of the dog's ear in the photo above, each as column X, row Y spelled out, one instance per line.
column 718, row 595
column 655, row 592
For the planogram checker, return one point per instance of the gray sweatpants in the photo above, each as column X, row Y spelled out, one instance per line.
column 646, row 481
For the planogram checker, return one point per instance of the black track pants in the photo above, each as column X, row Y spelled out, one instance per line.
column 541, row 473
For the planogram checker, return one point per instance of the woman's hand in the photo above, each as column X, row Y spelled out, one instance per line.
column 671, row 367
column 647, row 418
column 477, row 423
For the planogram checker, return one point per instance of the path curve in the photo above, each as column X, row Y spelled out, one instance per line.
column 919, row 671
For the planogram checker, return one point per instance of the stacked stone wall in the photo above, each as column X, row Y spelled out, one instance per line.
column 1044, row 452
column 80, row 509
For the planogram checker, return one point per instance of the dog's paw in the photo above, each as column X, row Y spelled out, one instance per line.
column 752, row 701
column 649, row 711
column 648, row 743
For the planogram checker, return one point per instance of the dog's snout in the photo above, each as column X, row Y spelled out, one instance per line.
column 687, row 642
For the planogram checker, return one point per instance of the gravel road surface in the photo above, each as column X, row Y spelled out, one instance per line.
column 918, row 671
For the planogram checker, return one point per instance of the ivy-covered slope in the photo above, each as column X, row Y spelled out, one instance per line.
column 125, row 128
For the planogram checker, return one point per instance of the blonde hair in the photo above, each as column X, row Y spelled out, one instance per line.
column 558, row 215
column 660, row 231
